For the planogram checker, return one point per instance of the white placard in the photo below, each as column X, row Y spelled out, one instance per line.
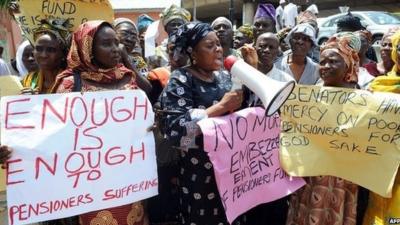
column 77, row 153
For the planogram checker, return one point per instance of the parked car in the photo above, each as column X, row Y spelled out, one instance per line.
column 376, row 22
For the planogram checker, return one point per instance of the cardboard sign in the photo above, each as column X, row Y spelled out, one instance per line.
column 76, row 11
column 77, row 153
column 243, row 148
column 9, row 85
column 352, row 134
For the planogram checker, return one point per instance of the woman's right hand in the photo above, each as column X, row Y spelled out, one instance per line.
column 5, row 154
column 232, row 100
column 229, row 103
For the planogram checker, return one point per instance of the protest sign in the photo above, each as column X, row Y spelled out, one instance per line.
column 75, row 153
column 9, row 85
column 75, row 11
column 243, row 148
column 347, row 133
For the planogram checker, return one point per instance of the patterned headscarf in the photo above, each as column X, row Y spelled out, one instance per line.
column 366, row 34
column 265, row 10
column 221, row 18
column 395, row 44
column 122, row 20
column 188, row 36
column 354, row 40
column 174, row 12
column 391, row 31
column 246, row 30
column 342, row 46
column 59, row 28
column 305, row 29
column 306, row 17
column 80, row 57
column 282, row 34
column 144, row 21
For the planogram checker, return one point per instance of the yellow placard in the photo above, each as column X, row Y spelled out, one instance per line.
column 347, row 133
column 10, row 85
column 2, row 180
column 76, row 11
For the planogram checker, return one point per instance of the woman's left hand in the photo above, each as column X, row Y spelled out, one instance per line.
column 249, row 55
column 5, row 154
column 124, row 53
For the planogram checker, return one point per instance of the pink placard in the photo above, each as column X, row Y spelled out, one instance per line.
column 243, row 148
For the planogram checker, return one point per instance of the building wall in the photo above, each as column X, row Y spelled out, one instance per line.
column 133, row 15
column 10, row 35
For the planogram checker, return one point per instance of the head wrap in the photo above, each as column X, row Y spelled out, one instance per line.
column 350, row 22
column 386, row 84
column 366, row 34
column 81, row 54
column 266, row 11
column 174, row 12
column 122, row 20
column 395, row 43
column 354, row 40
column 220, row 19
column 282, row 1
column 246, row 30
column 306, row 17
column 391, row 32
column 282, row 34
column 59, row 28
column 305, row 29
column 188, row 36
column 20, row 64
column 144, row 21
column 342, row 46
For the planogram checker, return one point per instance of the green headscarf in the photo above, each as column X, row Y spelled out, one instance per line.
column 175, row 12
column 247, row 30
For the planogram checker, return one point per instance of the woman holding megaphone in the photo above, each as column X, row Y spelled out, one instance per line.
column 193, row 93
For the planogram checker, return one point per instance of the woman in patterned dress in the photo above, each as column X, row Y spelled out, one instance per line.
column 327, row 200
column 193, row 93
column 94, row 59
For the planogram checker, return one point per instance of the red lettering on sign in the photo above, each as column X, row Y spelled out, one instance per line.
column 92, row 113
column 84, row 111
column 9, row 172
column 133, row 153
column 11, row 113
column 119, row 158
column 145, row 106
column 119, row 111
column 97, row 138
column 47, row 105
column 52, row 169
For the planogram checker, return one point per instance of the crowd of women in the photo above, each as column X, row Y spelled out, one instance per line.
column 186, row 82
